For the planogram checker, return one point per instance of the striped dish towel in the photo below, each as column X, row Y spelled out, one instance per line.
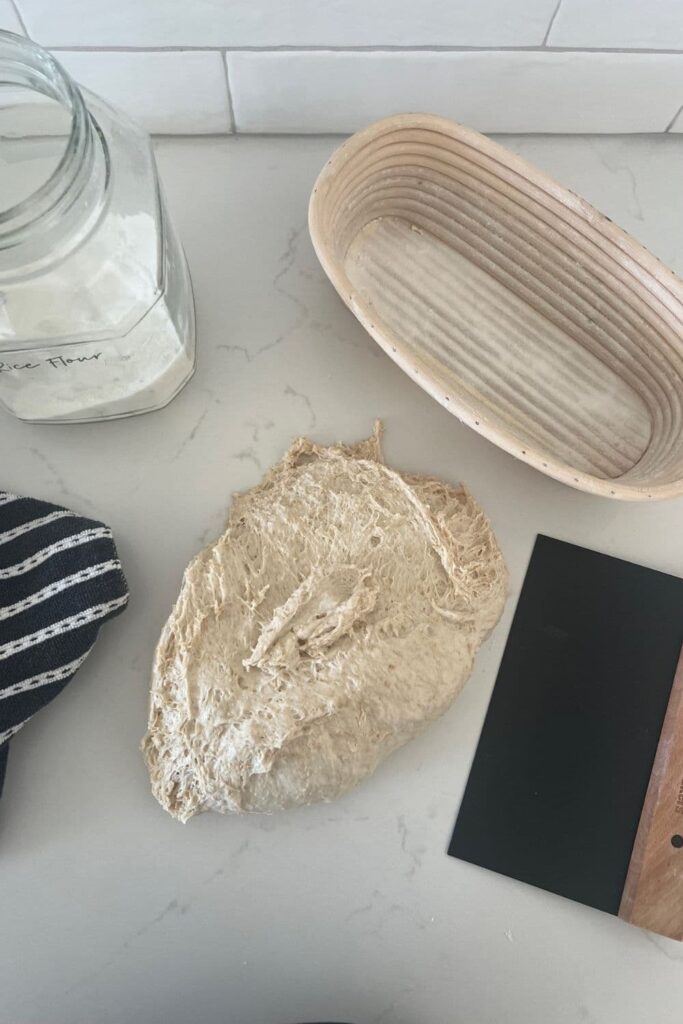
column 60, row 579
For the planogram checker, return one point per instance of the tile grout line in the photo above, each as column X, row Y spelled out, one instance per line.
column 365, row 49
column 673, row 120
column 551, row 22
column 20, row 18
column 190, row 136
column 231, row 108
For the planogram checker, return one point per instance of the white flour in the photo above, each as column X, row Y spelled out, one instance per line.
column 140, row 370
column 97, row 321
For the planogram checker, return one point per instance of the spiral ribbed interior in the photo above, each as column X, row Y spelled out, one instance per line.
column 514, row 301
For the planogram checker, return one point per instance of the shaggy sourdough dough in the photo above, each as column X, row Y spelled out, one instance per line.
column 338, row 614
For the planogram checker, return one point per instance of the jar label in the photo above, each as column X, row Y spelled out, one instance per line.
column 56, row 362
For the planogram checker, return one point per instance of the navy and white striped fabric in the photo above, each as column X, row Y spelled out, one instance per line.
column 60, row 579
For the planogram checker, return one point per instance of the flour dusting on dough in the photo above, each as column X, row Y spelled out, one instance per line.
column 337, row 615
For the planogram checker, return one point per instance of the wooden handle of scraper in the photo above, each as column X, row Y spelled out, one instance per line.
column 653, row 893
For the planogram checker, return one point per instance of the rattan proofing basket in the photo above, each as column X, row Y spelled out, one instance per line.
column 511, row 300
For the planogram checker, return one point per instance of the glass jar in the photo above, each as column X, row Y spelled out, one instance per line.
column 96, row 309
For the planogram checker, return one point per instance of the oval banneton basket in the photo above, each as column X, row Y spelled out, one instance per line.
column 513, row 302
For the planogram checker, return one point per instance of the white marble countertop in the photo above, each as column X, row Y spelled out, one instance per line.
column 110, row 911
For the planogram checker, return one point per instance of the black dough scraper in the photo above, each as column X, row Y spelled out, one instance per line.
column 577, row 782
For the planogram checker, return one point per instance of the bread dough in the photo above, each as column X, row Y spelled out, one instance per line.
column 337, row 615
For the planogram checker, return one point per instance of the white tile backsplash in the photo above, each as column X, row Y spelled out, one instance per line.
column 332, row 65
column 230, row 23
column 494, row 92
column 176, row 92
column 628, row 24
column 9, row 19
